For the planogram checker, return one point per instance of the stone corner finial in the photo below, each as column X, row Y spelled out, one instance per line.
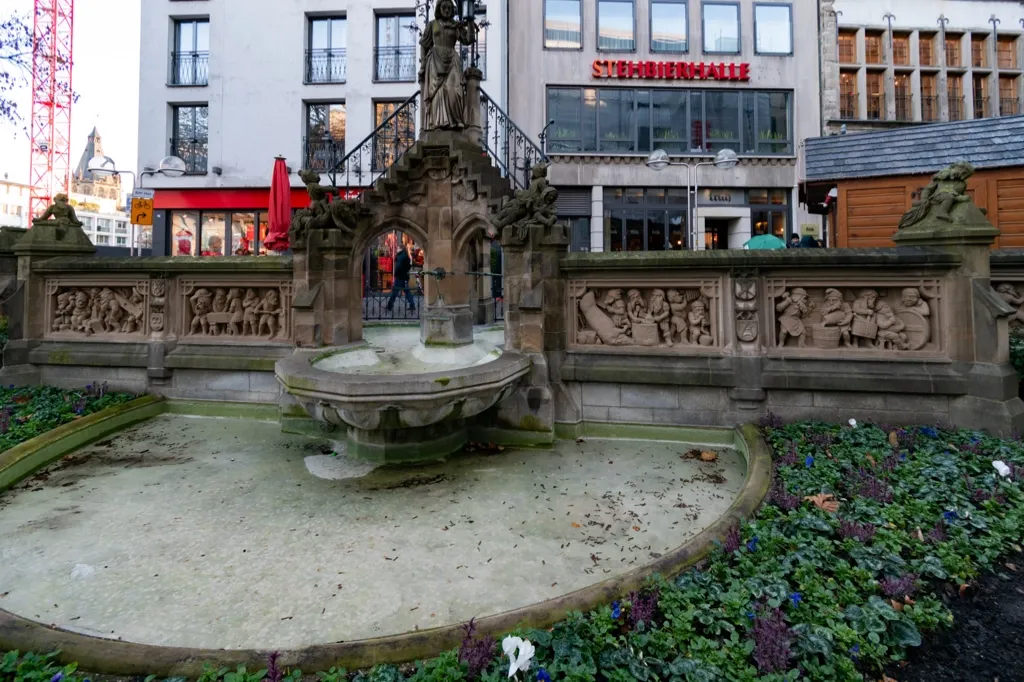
column 946, row 213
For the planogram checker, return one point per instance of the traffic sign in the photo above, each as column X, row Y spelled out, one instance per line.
column 140, row 193
column 142, row 211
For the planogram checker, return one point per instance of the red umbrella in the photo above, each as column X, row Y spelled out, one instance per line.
column 280, row 208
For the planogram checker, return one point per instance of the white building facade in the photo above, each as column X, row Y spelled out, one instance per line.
column 228, row 85
column 623, row 78
column 14, row 203
column 887, row 63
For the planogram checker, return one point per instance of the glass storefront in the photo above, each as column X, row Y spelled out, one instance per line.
column 207, row 233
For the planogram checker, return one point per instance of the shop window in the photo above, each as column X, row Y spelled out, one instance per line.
column 764, row 221
column 722, row 120
column 563, row 24
column 615, row 126
column 645, row 220
column 616, row 25
column 243, row 233
column 670, row 28
column 184, row 233
column 721, row 23
column 773, row 29
column 214, row 236
column 218, row 233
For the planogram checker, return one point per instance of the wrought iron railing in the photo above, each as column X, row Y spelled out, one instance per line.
column 326, row 66
column 190, row 68
column 956, row 108
column 876, row 107
column 322, row 154
column 981, row 108
column 929, row 108
column 1008, row 106
column 379, row 150
column 848, row 105
column 375, row 303
column 514, row 152
column 194, row 153
column 394, row 64
column 904, row 107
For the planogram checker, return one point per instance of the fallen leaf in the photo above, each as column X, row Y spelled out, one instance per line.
column 580, row 440
column 908, row 601
column 894, row 439
column 963, row 589
column 870, row 459
column 920, row 535
column 824, row 501
column 691, row 454
column 575, row 525
column 636, row 527
column 1012, row 567
column 708, row 456
column 1015, row 548
column 897, row 605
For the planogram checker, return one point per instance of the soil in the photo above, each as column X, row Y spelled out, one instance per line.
column 986, row 642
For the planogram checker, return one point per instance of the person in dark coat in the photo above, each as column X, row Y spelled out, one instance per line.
column 403, row 264
column 809, row 242
column 794, row 241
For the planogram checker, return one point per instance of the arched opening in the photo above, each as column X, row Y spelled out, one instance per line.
column 391, row 275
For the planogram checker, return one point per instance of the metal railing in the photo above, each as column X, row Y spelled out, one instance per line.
column 848, row 105
column 326, row 66
column 981, row 107
column 375, row 303
column 194, row 153
column 190, row 68
column 1009, row 107
column 904, row 107
column 322, row 154
column 465, row 51
column 956, row 108
column 394, row 64
column 876, row 107
column 929, row 108
column 379, row 150
column 514, row 152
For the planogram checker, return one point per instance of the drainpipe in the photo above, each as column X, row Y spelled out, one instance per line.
column 821, row 77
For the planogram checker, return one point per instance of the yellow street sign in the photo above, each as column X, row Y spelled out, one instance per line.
column 142, row 211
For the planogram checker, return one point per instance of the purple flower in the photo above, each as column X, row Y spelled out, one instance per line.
column 937, row 534
column 796, row 599
column 772, row 637
column 900, row 587
column 750, row 615
column 58, row 677
column 865, row 484
column 752, row 545
column 476, row 653
column 642, row 608
column 854, row 650
column 732, row 540
column 929, row 431
column 275, row 673
column 790, row 458
column 862, row 532
column 542, row 676
column 616, row 610
column 808, row 461
column 950, row 515
column 781, row 498
column 770, row 421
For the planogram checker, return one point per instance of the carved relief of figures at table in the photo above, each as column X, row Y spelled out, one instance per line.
column 677, row 317
column 228, row 312
column 843, row 317
column 89, row 309
column 1011, row 293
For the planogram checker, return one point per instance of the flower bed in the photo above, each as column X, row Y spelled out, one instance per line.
column 32, row 410
column 836, row 577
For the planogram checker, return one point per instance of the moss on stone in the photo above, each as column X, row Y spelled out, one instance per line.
column 444, row 381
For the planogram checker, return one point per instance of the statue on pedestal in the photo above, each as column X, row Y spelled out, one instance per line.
column 534, row 206
column 62, row 213
column 947, row 189
column 441, row 77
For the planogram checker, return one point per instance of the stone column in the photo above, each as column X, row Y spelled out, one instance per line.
column 473, row 129
column 327, row 304
column 597, row 219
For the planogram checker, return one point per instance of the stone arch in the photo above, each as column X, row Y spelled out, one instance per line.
column 365, row 237
column 473, row 225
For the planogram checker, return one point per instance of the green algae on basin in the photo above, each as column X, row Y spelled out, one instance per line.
column 397, row 350
column 215, row 533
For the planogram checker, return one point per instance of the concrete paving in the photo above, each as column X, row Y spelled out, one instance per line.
column 227, row 533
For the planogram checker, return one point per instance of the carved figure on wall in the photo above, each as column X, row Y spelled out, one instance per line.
column 836, row 321
column 659, row 311
column 794, row 306
column 864, row 329
column 250, row 306
column 81, row 312
column 111, row 311
column 1010, row 294
column 269, row 309
column 441, row 77
column 677, row 304
column 608, row 328
column 62, row 312
column 890, row 328
column 97, row 310
column 62, row 214
column 135, row 312
column 947, row 188
column 700, row 325
column 319, row 195
column 201, row 303
column 235, row 312
column 531, row 207
column 910, row 299
column 675, row 318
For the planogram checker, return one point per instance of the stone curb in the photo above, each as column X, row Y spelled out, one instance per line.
column 98, row 655
column 25, row 458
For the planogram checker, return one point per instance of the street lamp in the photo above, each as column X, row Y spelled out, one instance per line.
column 659, row 160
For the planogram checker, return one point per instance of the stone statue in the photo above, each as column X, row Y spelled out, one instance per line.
column 441, row 78
column 947, row 188
column 62, row 212
column 794, row 307
column 322, row 212
column 534, row 206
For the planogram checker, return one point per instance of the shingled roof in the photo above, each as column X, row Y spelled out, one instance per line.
column 916, row 150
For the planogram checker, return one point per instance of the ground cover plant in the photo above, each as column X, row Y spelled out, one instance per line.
column 836, row 577
column 29, row 411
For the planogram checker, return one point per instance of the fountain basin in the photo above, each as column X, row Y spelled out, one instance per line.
column 398, row 417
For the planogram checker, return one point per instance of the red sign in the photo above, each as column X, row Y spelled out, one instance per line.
column 687, row 71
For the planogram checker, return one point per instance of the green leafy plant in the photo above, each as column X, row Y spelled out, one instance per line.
column 27, row 412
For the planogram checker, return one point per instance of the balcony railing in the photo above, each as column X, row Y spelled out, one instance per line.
column 1009, row 107
column 481, row 57
column 981, row 108
column 193, row 152
column 956, row 108
column 394, row 64
column 190, row 68
column 848, row 105
column 876, row 107
column 904, row 108
column 326, row 66
column 322, row 154
column 929, row 108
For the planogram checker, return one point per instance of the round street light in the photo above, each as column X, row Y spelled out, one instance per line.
column 726, row 159
column 102, row 166
column 171, row 166
column 658, row 160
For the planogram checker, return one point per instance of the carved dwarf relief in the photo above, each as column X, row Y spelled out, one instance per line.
column 1010, row 292
column 895, row 318
column 86, row 310
column 233, row 311
column 678, row 316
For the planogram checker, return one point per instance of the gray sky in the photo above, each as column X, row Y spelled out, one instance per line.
column 106, row 77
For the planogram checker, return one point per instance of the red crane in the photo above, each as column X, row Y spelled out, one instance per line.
column 52, row 50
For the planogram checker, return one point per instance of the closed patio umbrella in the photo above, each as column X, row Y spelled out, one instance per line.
column 765, row 241
column 280, row 207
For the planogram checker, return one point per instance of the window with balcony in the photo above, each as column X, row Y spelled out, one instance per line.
column 1006, row 53
column 616, row 29
column 670, row 26
column 955, row 95
column 873, row 48
column 563, row 24
column 953, row 58
column 847, row 47
column 901, row 49
column 904, row 99
column 190, row 60
column 397, row 134
column 876, row 96
column 326, row 57
column 190, row 141
column 929, row 97
column 979, row 52
column 325, row 135
column 1009, row 98
column 103, row 224
column 721, row 23
column 926, row 49
column 396, row 47
column 773, row 29
column 981, row 104
column 121, row 226
column 848, row 99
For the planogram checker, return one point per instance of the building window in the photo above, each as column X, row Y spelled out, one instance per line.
column 926, row 49
column 981, row 105
column 121, row 241
column 191, row 136
column 1006, row 53
column 904, row 98
column 929, row 98
column 876, row 96
column 645, row 219
column 773, row 29
column 769, row 212
column 206, row 233
column 848, row 98
column 190, row 60
column 954, row 88
column 325, row 135
column 102, row 240
column 979, row 52
column 563, row 24
column 615, row 26
column 103, row 224
column 721, row 23
column 326, row 58
column 901, row 49
column 121, row 226
column 682, row 122
column 873, row 48
column 670, row 26
column 1009, row 103
column 847, row 47
column 953, row 59
column 397, row 133
column 396, row 47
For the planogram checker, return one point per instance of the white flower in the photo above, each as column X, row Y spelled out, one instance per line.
column 853, row 423
column 1001, row 467
column 519, row 652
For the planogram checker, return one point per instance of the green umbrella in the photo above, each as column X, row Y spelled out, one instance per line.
column 765, row 241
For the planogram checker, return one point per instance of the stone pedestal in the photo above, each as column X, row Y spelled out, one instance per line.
column 473, row 127
column 327, row 305
column 446, row 325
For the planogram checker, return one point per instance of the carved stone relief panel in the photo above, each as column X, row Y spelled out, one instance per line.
column 880, row 316
column 675, row 315
column 157, row 303
column 747, row 319
column 229, row 311
column 1013, row 293
column 85, row 308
